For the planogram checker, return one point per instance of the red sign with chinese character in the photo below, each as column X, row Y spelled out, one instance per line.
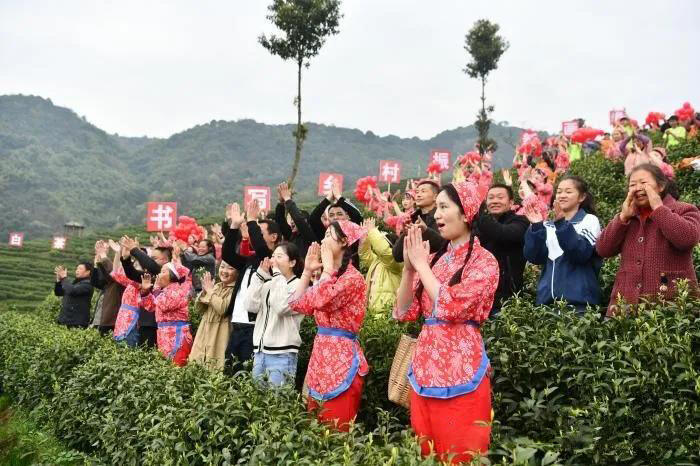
column 442, row 157
column 616, row 115
column 568, row 127
column 59, row 242
column 326, row 180
column 16, row 239
column 161, row 216
column 257, row 193
column 389, row 171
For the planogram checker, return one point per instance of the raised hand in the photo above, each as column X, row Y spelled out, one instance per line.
column 235, row 216
column 533, row 215
column 655, row 200
column 369, row 223
column 146, row 282
column 284, row 192
column 101, row 249
column 557, row 213
column 266, row 266
column 313, row 259
column 113, row 245
column 418, row 250
column 207, row 282
column 60, row 272
column 253, row 210
column 629, row 207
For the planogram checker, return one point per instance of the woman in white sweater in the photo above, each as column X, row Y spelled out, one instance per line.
column 276, row 339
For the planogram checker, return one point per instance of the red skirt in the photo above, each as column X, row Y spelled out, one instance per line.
column 460, row 426
column 342, row 409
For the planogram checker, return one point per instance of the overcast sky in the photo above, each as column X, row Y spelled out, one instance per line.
column 157, row 68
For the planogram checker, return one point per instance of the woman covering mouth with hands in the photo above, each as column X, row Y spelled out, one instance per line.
column 655, row 235
column 337, row 303
column 453, row 290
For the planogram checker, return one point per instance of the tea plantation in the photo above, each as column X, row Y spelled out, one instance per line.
column 566, row 390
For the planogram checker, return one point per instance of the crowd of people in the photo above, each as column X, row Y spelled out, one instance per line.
column 449, row 255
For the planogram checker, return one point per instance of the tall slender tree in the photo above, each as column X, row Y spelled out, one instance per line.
column 305, row 25
column 485, row 46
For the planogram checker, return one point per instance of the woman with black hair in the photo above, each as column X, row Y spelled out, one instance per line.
column 453, row 290
column 201, row 255
column 655, row 235
column 276, row 338
column 213, row 332
column 169, row 299
column 337, row 302
column 566, row 246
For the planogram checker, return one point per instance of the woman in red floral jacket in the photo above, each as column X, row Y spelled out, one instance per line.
column 655, row 235
column 170, row 300
column 453, row 289
column 337, row 303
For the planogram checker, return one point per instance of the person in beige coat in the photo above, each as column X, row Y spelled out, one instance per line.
column 213, row 333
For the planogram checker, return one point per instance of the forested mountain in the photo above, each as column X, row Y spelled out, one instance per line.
column 57, row 167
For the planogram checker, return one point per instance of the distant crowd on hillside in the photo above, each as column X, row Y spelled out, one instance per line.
column 446, row 254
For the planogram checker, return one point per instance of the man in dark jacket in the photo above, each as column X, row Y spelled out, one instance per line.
column 336, row 207
column 77, row 295
column 502, row 233
column 293, row 224
column 424, row 215
column 264, row 237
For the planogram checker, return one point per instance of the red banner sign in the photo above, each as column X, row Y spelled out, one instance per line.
column 442, row 157
column 257, row 193
column 326, row 180
column 161, row 216
column 16, row 239
column 389, row 171
column 568, row 127
column 615, row 115
column 59, row 242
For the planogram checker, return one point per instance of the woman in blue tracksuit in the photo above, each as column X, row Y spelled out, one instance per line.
column 565, row 247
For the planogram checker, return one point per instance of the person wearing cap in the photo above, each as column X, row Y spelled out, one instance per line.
column 169, row 299
column 209, row 347
column 424, row 215
column 453, row 289
column 337, row 366
column 675, row 134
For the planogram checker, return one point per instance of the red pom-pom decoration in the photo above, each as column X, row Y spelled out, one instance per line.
column 582, row 135
column 187, row 229
column 434, row 168
column 686, row 112
column 654, row 118
column 362, row 186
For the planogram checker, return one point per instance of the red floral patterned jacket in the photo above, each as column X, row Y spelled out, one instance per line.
column 450, row 358
column 338, row 304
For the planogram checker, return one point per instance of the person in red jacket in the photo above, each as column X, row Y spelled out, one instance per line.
column 169, row 299
column 337, row 303
column 655, row 235
column 453, row 289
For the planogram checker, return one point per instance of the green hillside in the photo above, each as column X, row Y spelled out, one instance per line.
column 57, row 167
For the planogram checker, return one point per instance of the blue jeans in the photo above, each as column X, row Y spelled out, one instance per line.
column 275, row 369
